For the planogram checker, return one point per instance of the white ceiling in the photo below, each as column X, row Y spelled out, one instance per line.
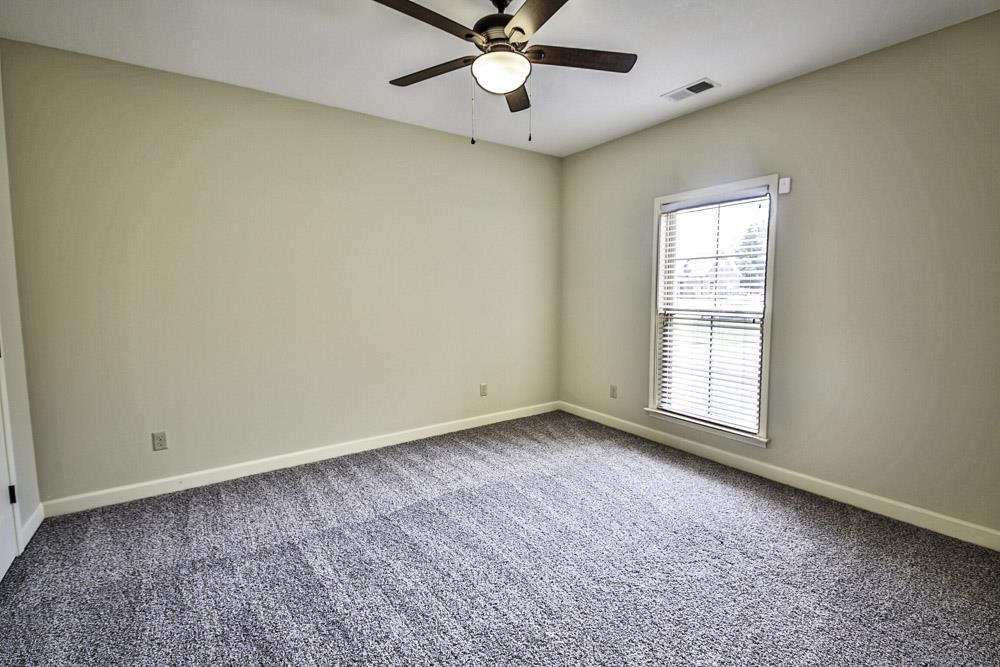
column 343, row 52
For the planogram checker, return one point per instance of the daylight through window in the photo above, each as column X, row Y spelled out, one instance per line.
column 710, row 325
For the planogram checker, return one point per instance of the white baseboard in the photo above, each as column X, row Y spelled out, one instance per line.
column 924, row 518
column 155, row 487
column 917, row 516
column 27, row 530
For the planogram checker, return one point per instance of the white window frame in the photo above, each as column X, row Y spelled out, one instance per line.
column 703, row 197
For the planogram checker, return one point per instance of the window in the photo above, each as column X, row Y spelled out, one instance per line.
column 711, row 310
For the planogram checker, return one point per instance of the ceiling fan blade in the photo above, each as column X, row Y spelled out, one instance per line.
column 530, row 17
column 430, row 72
column 608, row 61
column 518, row 100
column 429, row 17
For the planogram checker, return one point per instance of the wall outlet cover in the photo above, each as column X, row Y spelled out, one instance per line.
column 159, row 441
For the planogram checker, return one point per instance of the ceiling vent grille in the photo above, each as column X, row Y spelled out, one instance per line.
column 690, row 90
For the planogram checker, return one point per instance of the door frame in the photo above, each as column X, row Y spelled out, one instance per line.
column 8, row 451
column 6, row 423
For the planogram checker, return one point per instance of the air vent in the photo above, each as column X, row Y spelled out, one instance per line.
column 690, row 90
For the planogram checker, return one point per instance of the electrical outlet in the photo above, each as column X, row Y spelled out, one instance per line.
column 614, row 391
column 483, row 390
column 159, row 441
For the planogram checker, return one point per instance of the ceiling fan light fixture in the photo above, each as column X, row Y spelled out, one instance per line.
column 501, row 72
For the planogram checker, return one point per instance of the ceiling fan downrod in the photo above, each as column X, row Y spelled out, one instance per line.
column 501, row 5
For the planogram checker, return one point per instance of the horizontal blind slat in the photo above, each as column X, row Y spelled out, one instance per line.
column 734, row 396
column 708, row 405
column 727, row 374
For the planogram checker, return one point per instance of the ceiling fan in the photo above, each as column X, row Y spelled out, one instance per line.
column 506, row 59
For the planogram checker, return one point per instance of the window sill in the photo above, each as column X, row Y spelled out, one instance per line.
column 708, row 428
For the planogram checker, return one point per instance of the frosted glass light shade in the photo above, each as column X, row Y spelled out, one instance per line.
column 501, row 72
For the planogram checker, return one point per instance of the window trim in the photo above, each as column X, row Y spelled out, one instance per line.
column 702, row 197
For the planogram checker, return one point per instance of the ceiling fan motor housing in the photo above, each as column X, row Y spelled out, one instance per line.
column 493, row 28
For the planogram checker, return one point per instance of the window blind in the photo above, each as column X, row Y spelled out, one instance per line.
column 710, row 311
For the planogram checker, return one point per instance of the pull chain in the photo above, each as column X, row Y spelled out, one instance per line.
column 530, row 106
column 473, row 82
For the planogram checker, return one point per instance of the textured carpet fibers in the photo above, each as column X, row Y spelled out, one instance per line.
column 542, row 541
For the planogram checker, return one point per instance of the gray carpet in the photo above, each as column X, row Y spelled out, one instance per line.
column 543, row 541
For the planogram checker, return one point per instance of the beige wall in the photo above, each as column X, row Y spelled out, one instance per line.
column 885, row 371
column 256, row 275
column 14, row 374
